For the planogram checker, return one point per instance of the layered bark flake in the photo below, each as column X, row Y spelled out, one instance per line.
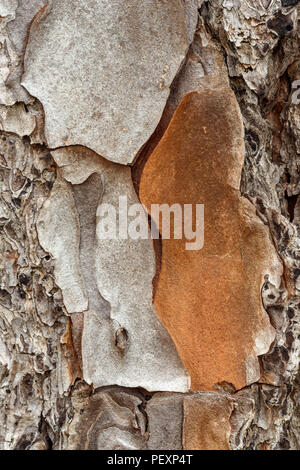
column 138, row 343
column 211, row 296
column 108, row 98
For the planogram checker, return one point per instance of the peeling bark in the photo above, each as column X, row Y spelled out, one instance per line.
column 98, row 338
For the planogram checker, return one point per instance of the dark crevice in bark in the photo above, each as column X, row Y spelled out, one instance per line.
column 292, row 201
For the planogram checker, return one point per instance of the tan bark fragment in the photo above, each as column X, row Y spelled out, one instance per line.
column 206, row 423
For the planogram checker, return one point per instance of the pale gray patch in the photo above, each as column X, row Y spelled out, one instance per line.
column 191, row 16
column 6, row 96
column 18, row 30
column 58, row 232
column 5, row 357
column 17, row 120
column 8, row 7
column 102, row 71
column 252, row 369
column 78, row 163
column 132, row 348
column 87, row 197
column 124, row 271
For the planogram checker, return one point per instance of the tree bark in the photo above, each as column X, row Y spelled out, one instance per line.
column 133, row 344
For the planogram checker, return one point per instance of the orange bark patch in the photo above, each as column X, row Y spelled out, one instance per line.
column 69, row 353
column 210, row 300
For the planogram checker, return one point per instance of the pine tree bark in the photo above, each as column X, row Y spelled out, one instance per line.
column 58, row 387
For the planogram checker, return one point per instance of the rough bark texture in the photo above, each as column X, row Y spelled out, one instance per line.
column 129, row 344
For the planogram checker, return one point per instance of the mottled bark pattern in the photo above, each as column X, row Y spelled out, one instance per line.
column 58, row 282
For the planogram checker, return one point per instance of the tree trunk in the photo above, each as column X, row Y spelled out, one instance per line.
column 127, row 342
